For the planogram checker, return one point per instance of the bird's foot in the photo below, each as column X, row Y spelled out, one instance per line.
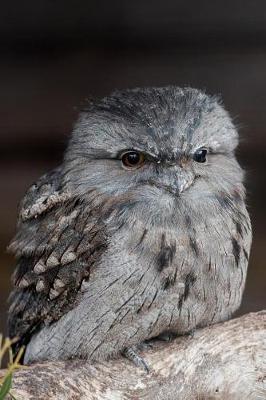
column 131, row 353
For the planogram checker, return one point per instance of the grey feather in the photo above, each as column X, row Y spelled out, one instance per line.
column 110, row 256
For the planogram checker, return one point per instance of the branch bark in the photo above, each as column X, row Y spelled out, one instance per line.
column 223, row 361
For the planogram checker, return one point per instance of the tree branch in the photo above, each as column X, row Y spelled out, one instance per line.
column 223, row 361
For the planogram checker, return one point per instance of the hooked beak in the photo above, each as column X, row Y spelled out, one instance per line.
column 175, row 181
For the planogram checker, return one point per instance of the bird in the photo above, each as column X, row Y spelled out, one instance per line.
column 141, row 232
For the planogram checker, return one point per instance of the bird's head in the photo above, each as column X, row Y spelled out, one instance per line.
column 163, row 151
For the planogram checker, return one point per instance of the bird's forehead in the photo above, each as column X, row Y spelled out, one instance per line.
column 156, row 120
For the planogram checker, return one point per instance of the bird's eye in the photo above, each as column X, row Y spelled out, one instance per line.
column 132, row 159
column 200, row 155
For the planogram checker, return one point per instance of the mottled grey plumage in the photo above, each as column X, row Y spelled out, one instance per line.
column 109, row 257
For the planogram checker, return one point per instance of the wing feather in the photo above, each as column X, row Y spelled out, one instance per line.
column 58, row 239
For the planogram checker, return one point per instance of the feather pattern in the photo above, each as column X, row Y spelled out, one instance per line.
column 51, row 261
column 109, row 256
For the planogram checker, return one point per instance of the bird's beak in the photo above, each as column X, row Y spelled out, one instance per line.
column 174, row 180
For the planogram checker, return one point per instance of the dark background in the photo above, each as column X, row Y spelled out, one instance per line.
column 56, row 53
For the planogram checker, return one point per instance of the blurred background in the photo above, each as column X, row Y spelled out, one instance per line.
column 56, row 53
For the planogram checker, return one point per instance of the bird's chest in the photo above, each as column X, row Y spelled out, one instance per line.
column 155, row 279
column 152, row 280
column 167, row 277
column 152, row 268
column 162, row 257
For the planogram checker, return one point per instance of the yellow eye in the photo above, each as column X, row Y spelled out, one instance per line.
column 133, row 159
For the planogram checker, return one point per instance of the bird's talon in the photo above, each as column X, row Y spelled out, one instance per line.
column 131, row 354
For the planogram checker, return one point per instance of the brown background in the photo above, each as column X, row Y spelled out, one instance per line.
column 56, row 53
